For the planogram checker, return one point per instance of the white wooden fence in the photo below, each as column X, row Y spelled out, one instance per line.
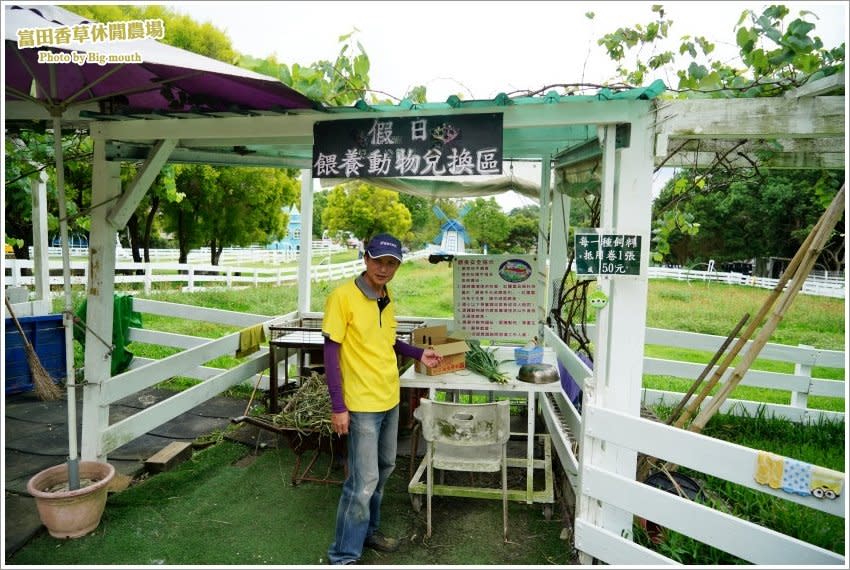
column 727, row 461
column 190, row 276
column 731, row 462
column 232, row 271
column 819, row 283
column 799, row 385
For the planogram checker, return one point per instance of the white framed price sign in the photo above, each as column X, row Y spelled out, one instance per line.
column 598, row 253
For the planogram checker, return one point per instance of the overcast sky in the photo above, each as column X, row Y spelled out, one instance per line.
column 476, row 49
column 479, row 49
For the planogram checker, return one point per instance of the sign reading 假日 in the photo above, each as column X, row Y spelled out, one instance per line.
column 444, row 145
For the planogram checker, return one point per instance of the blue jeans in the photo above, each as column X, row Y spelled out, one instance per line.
column 372, row 440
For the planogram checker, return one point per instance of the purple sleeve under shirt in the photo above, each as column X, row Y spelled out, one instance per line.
column 333, row 375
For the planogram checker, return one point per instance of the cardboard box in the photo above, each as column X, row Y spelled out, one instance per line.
column 453, row 350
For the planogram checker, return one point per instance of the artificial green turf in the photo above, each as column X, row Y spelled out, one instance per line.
column 226, row 506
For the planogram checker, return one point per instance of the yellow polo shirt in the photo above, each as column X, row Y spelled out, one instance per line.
column 367, row 359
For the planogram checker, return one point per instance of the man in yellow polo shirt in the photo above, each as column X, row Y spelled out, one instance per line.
column 361, row 367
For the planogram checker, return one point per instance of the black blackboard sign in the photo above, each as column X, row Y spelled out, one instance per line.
column 445, row 145
column 607, row 254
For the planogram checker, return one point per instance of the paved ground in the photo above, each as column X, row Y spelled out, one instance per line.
column 36, row 437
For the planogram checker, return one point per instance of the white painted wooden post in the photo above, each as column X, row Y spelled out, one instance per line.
column 801, row 399
column 543, row 274
column 106, row 185
column 40, row 262
column 620, row 331
column 305, row 257
column 558, row 247
column 148, row 278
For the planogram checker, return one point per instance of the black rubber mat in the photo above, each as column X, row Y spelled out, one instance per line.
column 189, row 426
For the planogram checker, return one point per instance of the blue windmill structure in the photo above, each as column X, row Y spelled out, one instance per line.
column 453, row 237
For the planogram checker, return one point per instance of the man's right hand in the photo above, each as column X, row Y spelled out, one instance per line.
column 339, row 422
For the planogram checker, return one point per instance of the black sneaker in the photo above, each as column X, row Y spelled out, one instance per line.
column 379, row 541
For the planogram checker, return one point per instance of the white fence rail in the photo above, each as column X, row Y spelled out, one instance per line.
column 819, row 283
column 253, row 254
column 800, row 384
column 190, row 362
column 163, row 268
column 727, row 461
column 192, row 276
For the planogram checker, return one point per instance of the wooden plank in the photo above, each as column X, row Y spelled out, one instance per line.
column 755, row 378
column 234, row 318
column 828, row 388
column 738, row 407
column 614, row 549
column 169, row 457
column 146, row 420
column 760, row 118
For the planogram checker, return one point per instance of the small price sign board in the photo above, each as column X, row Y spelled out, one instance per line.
column 608, row 254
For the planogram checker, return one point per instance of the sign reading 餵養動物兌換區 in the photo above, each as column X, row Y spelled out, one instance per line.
column 445, row 145
column 599, row 253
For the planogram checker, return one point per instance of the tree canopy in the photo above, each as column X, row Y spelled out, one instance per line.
column 365, row 210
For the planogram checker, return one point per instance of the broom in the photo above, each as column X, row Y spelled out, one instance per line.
column 45, row 388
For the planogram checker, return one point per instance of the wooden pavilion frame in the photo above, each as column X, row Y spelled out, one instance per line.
column 624, row 140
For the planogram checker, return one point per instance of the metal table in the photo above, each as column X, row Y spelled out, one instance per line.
column 466, row 380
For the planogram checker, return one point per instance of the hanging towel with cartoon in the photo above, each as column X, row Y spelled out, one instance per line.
column 797, row 477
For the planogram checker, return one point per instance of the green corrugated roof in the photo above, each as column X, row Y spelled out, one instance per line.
column 651, row 91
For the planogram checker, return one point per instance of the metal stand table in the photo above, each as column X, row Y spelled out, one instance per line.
column 467, row 380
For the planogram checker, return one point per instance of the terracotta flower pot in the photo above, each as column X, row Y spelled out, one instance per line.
column 71, row 514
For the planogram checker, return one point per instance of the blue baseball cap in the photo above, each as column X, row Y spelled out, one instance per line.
column 382, row 245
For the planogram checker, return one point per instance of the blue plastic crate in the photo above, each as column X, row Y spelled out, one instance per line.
column 528, row 355
column 47, row 336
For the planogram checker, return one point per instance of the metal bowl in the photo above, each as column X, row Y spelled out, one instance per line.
column 537, row 373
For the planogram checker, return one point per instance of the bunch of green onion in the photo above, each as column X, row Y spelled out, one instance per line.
column 484, row 362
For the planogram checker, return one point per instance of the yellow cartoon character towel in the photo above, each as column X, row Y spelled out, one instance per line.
column 826, row 483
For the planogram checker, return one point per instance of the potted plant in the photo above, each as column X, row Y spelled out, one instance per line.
column 66, row 512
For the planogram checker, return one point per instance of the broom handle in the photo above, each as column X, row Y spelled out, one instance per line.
column 691, row 410
column 15, row 319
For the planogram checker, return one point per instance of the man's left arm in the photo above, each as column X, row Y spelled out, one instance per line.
column 427, row 356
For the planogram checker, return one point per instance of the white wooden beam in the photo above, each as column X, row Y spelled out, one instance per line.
column 305, row 256
column 543, row 240
column 41, row 267
column 759, row 118
column 120, row 213
column 800, row 160
column 32, row 111
column 821, row 86
column 106, row 185
column 281, row 128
